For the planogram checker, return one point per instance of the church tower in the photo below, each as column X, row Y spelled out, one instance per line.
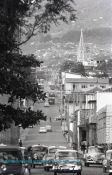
column 81, row 49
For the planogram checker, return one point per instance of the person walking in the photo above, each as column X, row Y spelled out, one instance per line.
column 20, row 143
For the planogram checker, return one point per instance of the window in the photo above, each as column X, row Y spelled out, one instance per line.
column 73, row 86
column 84, row 86
column 102, row 86
column 91, row 85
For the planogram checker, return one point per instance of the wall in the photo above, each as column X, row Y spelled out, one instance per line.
column 104, row 125
column 103, row 99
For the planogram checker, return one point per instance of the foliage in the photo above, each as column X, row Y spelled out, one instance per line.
column 19, row 21
column 73, row 67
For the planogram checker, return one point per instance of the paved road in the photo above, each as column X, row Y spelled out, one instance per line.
column 52, row 138
column 85, row 171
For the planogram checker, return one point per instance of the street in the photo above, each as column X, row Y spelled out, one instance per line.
column 85, row 171
column 52, row 138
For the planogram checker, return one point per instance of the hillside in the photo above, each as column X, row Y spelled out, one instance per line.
column 94, row 17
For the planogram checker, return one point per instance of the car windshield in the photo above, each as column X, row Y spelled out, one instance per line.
column 67, row 155
column 52, row 150
column 10, row 155
column 40, row 149
column 95, row 150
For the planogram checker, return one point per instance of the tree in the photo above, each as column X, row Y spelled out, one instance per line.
column 73, row 67
column 19, row 21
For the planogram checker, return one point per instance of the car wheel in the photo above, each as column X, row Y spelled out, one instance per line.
column 55, row 173
column 33, row 166
column 79, row 173
column 44, row 168
column 47, row 169
column 104, row 169
column 87, row 164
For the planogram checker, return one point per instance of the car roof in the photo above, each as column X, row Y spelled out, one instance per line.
column 66, row 150
column 95, row 146
column 52, row 147
column 38, row 145
column 42, row 126
column 109, row 151
column 11, row 147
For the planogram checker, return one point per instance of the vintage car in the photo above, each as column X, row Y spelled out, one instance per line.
column 49, row 128
column 48, row 162
column 11, row 160
column 67, row 161
column 107, row 162
column 49, row 158
column 37, row 153
column 42, row 130
column 94, row 155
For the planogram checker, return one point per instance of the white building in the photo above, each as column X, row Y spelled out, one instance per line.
column 104, row 125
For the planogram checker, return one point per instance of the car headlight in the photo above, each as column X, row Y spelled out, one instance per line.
column 3, row 167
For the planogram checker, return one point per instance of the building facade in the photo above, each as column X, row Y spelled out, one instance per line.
column 80, row 99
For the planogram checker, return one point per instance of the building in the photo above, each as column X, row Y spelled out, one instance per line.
column 84, row 57
column 80, row 106
column 104, row 125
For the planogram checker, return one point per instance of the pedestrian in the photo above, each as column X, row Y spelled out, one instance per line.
column 20, row 143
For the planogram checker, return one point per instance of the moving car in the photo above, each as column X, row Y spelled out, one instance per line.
column 11, row 160
column 49, row 158
column 37, row 153
column 49, row 128
column 107, row 162
column 95, row 155
column 42, row 130
column 67, row 161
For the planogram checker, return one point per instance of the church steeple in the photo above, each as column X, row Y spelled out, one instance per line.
column 81, row 49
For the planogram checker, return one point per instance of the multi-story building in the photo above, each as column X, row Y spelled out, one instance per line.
column 80, row 106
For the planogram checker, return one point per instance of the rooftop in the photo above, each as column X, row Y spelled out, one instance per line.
column 87, row 80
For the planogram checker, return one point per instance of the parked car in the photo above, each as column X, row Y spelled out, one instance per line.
column 107, row 162
column 37, row 153
column 67, row 161
column 48, row 161
column 49, row 158
column 60, row 117
column 42, row 130
column 95, row 155
column 49, row 128
column 11, row 160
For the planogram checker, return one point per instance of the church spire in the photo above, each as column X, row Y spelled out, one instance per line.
column 81, row 49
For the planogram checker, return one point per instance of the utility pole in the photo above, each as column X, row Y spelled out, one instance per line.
column 75, row 145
